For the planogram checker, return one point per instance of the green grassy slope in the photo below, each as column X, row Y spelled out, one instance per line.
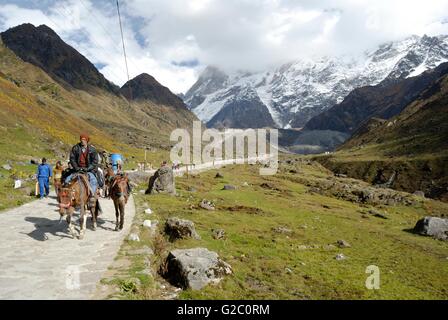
column 299, row 264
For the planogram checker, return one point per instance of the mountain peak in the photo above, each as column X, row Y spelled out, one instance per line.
column 42, row 47
column 146, row 87
column 209, row 81
column 211, row 72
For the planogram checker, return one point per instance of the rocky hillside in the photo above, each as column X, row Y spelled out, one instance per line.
column 296, row 92
column 384, row 100
column 242, row 110
column 46, row 103
column 42, row 47
column 145, row 88
column 407, row 152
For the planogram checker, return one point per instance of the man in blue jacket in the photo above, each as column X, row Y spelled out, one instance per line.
column 44, row 173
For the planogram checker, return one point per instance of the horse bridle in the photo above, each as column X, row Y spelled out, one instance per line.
column 120, row 194
column 67, row 205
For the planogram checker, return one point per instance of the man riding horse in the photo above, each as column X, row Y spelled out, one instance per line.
column 84, row 159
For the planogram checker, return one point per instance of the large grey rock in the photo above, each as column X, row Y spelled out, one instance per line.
column 229, row 187
column 177, row 228
column 7, row 167
column 162, row 181
column 195, row 268
column 433, row 226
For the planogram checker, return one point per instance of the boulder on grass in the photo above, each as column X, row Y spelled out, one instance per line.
column 162, row 181
column 432, row 226
column 195, row 268
column 177, row 228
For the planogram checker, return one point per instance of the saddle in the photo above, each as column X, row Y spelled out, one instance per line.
column 84, row 180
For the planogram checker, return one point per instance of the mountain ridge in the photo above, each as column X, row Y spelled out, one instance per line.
column 44, row 48
column 297, row 91
column 384, row 100
column 46, row 106
column 146, row 87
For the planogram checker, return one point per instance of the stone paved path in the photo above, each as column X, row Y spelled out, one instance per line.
column 40, row 260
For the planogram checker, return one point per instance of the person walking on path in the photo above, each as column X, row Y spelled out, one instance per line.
column 44, row 173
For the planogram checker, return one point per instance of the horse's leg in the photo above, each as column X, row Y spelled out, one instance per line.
column 71, row 228
column 122, row 205
column 95, row 214
column 93, row 211
column 117, row 214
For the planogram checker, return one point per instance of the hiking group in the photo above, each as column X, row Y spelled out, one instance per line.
column 79, row 185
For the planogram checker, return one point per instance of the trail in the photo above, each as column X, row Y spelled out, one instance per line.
column 40, row 260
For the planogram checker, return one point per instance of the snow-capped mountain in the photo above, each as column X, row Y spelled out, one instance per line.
column 295, row 92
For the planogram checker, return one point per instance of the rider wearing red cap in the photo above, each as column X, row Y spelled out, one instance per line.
column 84, row 158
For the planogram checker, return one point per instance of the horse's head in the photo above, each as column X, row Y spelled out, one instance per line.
column 119, row 187
column 66, row 196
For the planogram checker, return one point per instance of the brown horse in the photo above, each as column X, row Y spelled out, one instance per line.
column 76, row 195
column 118, row 191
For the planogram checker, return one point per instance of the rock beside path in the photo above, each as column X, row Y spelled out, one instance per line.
column 177, row 228
column 195, row 268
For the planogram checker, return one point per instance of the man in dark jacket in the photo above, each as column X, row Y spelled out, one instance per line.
column 84, row 159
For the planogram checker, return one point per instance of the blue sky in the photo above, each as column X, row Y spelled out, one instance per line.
column 175, row 40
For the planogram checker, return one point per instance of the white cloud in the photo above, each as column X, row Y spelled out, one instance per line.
column 232, row 34
column 95, row 33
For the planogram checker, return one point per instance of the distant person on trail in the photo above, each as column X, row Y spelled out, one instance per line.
column 84, row 159
column 57, row 176
column 119, row 166
column 43, row 177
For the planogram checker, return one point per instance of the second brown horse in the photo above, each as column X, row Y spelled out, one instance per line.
column 118, row 191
